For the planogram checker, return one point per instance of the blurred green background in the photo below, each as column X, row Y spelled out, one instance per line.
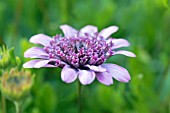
column 144, row 23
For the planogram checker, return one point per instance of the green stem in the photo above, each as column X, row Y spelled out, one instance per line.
column 3, row 104
column 18, row 106
column 79, row 98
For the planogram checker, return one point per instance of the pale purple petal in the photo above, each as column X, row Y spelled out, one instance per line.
column 38, row 63
column 68, row 74
column 117, row 43
column 36, row 52
column 96, row 68
column 31, row 63
column 90, row 29
column 68, row 30
column 49, row 65
column 44, row 63
column 126, row 53
column 41, row 39
column 41, row 63
column 117, row 72
column 104, row 78
column 105, row 33
column 86, row 76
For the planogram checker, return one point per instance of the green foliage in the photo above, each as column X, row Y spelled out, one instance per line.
column 46, row 99
column 145, row 23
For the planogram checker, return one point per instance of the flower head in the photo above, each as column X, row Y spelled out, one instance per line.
column 16, row 84
column 81, row 54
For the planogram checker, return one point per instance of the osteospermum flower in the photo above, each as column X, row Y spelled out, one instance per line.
column 81, row 54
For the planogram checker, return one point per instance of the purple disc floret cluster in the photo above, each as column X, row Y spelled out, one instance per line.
column 81, row 54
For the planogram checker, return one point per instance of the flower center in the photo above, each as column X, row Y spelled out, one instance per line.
column 80, row 50
column 17, row 80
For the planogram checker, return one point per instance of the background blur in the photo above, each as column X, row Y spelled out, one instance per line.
column 144, row 23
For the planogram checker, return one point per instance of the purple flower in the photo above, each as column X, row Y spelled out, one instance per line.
column 81, row 54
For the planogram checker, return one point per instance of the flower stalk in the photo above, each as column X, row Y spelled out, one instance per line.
column 18, row 106
column 79, row 97
column 3, row 104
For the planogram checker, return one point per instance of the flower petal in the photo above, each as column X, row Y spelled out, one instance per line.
column 126, row 53
column 68, row 74
column 41, row 63
column 117, row 43
column 96, row 68
column 117, row 72
column 49, row 65
column 90, row 29
column 41, row 39
column 108, row 31
column 36, row 52
column 44, row 63
column 104, row 78
column 68, row 30
column 31, row 63
column 38, row 63
column 86, row 77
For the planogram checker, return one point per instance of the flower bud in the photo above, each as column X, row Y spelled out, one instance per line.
column 16, row 84
column 4, row 57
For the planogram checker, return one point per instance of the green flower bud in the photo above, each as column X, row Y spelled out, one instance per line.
column 18, row 61
column 16, row 85
column 4, row 57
